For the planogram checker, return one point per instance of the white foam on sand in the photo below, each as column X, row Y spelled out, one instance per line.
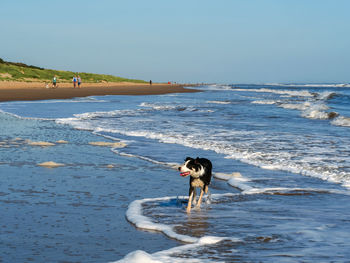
column 16, row 142
column 109, row 144
column 164, row 256
column 140, row 256
column 39, row 143
column 134, row 216
column 61, row 141
column 50, row 164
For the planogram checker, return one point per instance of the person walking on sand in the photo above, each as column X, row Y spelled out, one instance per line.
column 54, row 82
column 79, row 81
column 74, row 81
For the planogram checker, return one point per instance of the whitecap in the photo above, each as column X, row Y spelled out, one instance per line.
column 292, row 93
column 265, row 102
column 336, row 85
column 218, row 102
column 295, row 106
column 341, row 121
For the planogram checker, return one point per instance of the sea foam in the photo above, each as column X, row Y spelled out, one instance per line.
column 135, row 216
column 342, row 121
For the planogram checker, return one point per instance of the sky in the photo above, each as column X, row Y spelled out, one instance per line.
column 211, row 41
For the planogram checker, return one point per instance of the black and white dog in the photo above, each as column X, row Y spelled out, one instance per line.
column 200, row 171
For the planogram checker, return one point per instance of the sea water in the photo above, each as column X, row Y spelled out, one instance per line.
column 280, row 192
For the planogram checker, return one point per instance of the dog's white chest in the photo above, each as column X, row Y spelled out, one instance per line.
column 197, row 183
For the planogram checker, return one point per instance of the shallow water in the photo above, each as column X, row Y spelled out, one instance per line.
column 289, row 203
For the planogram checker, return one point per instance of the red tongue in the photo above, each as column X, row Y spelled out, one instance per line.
column 184, row 174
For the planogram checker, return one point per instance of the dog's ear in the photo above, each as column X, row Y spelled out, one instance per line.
column 196, row 161
column 188, row 158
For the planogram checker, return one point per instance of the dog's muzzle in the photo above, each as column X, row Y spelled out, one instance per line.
column 184, row 174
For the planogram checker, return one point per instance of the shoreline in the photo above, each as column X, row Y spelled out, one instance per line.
column 29, row 91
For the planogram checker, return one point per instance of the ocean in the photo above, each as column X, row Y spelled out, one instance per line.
column 280, row 191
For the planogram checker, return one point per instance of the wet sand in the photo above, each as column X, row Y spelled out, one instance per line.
column 13, row 91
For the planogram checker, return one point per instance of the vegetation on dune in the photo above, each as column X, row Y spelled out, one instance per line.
column 12, row 71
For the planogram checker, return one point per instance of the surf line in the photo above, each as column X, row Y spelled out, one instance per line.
column 134, row 216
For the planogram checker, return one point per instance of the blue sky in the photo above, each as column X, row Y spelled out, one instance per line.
column 222, row 41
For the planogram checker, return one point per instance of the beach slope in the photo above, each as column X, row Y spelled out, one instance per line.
column 16, row 91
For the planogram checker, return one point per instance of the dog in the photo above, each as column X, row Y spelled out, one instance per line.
column 200, row 170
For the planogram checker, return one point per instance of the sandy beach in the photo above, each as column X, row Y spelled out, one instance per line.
column 14, row 91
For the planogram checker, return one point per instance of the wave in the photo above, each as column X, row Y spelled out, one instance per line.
column 290, row 93
column 26, row 118
column 314, row 108
column 218, row 102
column 336, row 85
column 311, row 110
column 216, row 87
column 317, row 111
column 170, row 107
column 266, row 159
column 342, row 121
column 326, row 95
column 156, row 106
column 265, row 102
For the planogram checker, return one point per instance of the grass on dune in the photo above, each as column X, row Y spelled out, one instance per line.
column 10, row 71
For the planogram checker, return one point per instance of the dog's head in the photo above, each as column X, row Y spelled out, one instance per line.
column 191, row 167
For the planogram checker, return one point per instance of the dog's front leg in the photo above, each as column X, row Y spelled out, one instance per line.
column 194, row 199
column 189, row 205
column 198, row 206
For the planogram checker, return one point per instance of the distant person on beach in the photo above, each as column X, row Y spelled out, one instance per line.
column 54, row 82
column 74, row 81
column 150, row 82
column 79, row 81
